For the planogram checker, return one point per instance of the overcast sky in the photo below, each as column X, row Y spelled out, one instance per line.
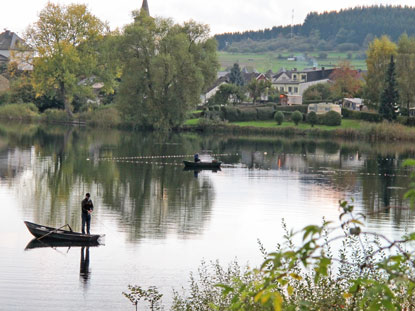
column 221, row 15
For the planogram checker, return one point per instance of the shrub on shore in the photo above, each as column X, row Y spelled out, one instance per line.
column 56, row 116
column 312, row 118
column 106, row 116
column 279, row 117
column 296, row 117
column 19, row 112
column 332, row 118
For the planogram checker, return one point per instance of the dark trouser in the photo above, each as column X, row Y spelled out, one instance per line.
column 86, row 219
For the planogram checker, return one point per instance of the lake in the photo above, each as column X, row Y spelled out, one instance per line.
column 160, row 220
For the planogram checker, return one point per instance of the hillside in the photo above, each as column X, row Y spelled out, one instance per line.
column 345, row 30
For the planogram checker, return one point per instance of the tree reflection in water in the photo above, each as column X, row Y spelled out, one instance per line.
column 66, row 164
column 55, row 166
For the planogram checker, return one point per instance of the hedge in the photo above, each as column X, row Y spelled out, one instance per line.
column 56, row 115
column 301, row 108
column 361, row 115
column 408, row 121
column 249, row 114
column 265, row 113
column 231, row 114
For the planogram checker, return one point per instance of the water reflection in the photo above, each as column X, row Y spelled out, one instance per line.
column 62, row 164
column 197, row 171
column 36, row 243
column 55, row 166
column 84, row 271
column 159, row 219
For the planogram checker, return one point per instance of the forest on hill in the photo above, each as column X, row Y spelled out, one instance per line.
column 345, row 30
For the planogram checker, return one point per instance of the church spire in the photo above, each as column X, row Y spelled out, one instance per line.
column 145, row 7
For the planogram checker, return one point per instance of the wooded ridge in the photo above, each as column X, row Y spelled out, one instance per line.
column 357, row 25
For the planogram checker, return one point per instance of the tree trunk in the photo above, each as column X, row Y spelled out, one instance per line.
column 65, row 99
column 68, row 107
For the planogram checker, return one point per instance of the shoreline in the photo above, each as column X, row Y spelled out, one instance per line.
column 379, row 132
column 350, row 129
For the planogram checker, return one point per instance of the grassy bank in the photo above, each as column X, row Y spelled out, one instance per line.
column 349, row 129
column 106, row 116
column 20, row 112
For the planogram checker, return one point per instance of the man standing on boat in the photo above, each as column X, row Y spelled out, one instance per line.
column 87, row 208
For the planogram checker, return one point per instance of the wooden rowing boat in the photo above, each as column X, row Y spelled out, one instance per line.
column 203, row 165
column 50, row 234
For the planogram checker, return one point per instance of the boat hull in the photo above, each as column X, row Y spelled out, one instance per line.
column 202, row 165
column 59, row 235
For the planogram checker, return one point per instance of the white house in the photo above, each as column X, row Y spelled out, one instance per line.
column 295, row 82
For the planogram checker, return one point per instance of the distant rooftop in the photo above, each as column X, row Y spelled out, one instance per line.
column 9, row 40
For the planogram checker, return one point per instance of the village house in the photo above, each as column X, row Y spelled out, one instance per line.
column 9, row 42
column 11, row 50
column 295, row 82
column 214, row 88
column 223, row 78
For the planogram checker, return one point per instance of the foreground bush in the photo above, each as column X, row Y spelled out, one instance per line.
column 19, row 112
column 369, row 272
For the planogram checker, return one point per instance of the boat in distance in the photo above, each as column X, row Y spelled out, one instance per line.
column 48, row 233
column 202, row 165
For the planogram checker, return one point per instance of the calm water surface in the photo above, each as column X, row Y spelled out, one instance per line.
column 161, row 221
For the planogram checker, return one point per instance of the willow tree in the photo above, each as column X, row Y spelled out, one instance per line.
column 165, row 69
column 65, row 40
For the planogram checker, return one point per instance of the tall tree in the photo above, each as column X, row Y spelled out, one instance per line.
column 319, row 91
column 378, row 59
column 228, row 93
column 165, row 69
column 405, row 69
column 64, row 39
column 235, row 76
column 346, row 81
column 390, row 95
column 257, row 88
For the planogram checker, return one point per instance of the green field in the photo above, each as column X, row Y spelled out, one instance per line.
column 265, row 61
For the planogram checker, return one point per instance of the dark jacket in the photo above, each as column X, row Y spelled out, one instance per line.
column 87, row 206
